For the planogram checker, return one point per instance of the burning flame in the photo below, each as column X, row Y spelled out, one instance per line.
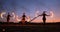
column 2, row 14
column 28, row 19
column 17, row 18
column 52, row 14
column 13, row 15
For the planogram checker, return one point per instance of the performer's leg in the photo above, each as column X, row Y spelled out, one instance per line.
column 44, row 22
column 7, row 20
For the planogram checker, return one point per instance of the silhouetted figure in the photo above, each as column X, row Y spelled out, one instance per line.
column 44, row 17
column 8, row 17
column 23, row 18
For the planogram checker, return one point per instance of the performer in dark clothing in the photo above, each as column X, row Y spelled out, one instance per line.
column 8, row 17
column 23, row 18
column 44, row 17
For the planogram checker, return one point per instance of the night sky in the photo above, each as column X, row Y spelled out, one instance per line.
column 30, row 7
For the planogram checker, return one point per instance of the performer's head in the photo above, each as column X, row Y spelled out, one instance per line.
column 23, row 13
column 44, row 12
column 8, row 13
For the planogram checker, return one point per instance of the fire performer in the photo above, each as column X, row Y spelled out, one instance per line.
column 44, row 17
column 23, row 18
column 8, row 17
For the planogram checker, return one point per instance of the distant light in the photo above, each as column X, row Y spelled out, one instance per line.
column 3, row 30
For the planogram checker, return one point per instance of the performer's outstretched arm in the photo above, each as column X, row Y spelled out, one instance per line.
column 47, row 15
column 41, row 15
